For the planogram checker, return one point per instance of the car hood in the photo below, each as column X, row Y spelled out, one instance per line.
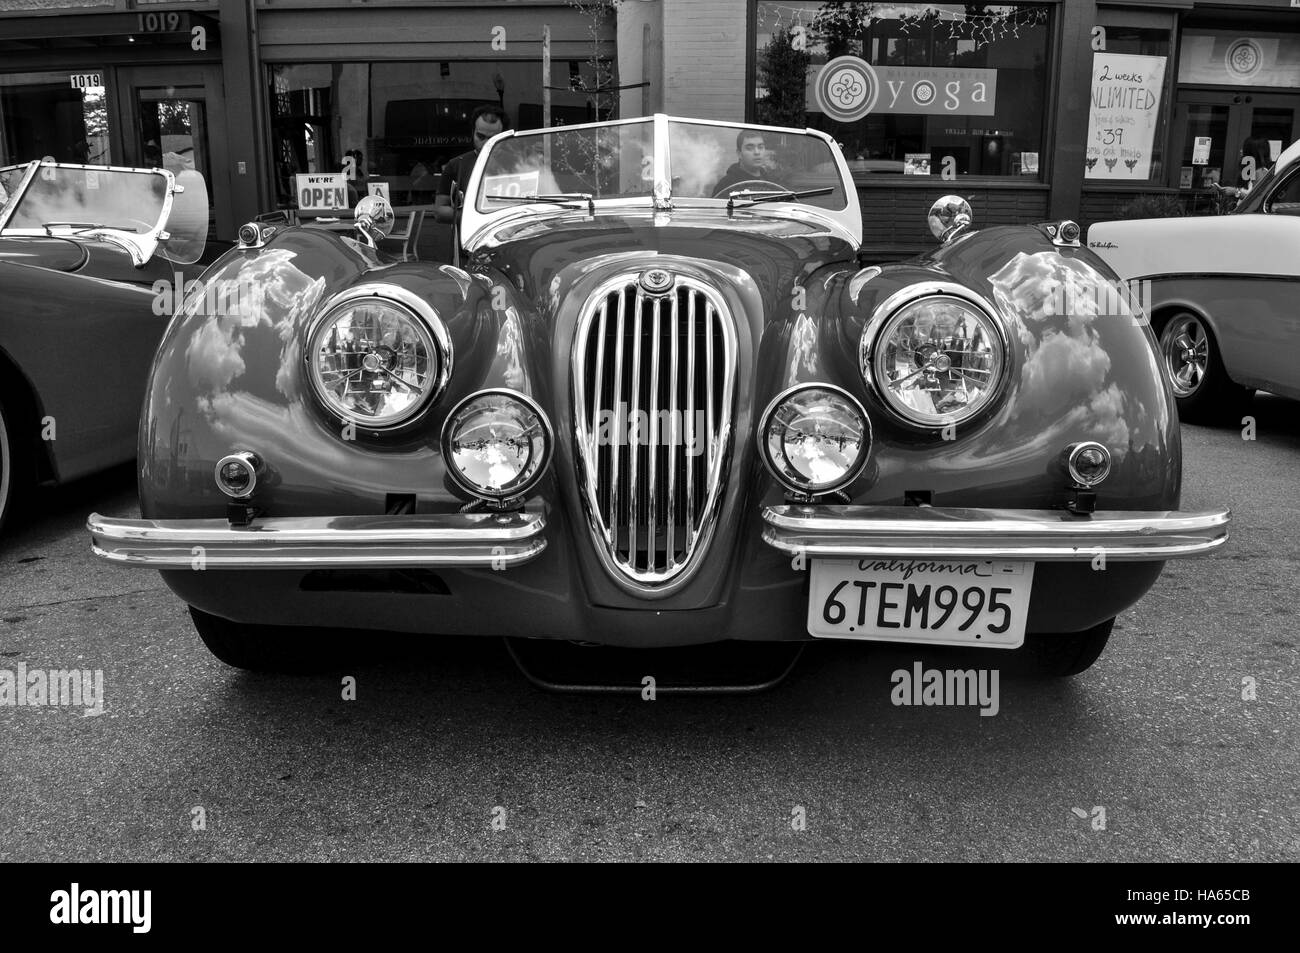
column 540, row 255
column 57, row 254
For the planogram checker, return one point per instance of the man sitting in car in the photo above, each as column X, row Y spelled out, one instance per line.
column 755, row 163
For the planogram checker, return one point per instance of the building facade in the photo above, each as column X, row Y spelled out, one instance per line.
column 1034, row 110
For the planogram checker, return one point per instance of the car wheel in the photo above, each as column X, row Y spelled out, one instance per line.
column 265, row 648
column 13, row 474
column 1195, row 370
column 1069, row 653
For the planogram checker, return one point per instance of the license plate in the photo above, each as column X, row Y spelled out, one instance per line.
column 956, row 602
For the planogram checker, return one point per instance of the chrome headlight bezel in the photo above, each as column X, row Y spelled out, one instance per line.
column 884, row 320
column 427, row 323
column 534, row 476
column 792, row 483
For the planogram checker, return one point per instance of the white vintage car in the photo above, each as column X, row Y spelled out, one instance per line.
column 1222, row 292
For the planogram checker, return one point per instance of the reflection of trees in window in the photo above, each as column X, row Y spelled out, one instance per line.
column 173, row 117
column 783, row 72
column 602, row 90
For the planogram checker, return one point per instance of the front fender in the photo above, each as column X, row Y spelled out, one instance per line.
column 1082, row 366
column 230, row 375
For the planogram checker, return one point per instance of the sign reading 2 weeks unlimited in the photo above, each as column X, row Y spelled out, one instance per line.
column 1125, row 105
column 848, row 88
column 322, row 192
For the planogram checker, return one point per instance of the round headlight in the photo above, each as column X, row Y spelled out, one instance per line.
column 496, row 444
column 376, row 362
column 938, row 360
column 814, row 438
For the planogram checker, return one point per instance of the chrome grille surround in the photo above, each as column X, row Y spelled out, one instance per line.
column 650, row 503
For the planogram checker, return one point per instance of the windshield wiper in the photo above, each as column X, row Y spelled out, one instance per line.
column 79, row 226
column 571, row 199
column 753, row 198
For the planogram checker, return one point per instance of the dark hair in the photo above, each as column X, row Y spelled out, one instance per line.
column 491, row 114
column 1258, row 149
column 747, row 134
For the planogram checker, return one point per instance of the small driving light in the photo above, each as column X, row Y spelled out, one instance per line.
column 1070, row 232
column 496, row 444
column 236, row 475
column 1089, row 463
column 814, row 438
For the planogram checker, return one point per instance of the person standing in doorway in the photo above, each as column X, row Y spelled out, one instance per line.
column 486, row 122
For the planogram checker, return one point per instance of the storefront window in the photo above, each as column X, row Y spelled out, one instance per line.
column 400, row 123
column 1128, row 114
column 59, row 114
column 910, row 88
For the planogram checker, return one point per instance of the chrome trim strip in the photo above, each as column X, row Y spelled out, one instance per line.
column 680, row 434
column 955, row 533
column 634, row 446
column 611, row 532
column 653, row 421
column 690, row 415
column 435, row 540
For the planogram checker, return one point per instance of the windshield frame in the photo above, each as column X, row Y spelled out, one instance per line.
column 141, row 246
column 483, row 229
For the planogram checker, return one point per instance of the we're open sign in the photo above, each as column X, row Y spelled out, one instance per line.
column 322, row 192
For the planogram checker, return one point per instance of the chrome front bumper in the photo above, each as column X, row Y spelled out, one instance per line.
column 952, row 533
column 459, row 540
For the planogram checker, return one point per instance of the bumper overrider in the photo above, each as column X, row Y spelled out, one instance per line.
column 502, row 540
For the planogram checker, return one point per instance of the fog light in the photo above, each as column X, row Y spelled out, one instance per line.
column 496, row 444
column 814, row 438
column 1089, row 463
column 236, row 475
column 1069, row 232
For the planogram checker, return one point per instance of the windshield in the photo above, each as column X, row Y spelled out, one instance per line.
column 715, row 161
column 617, row 161
column 130, row 207
column 601, row 161
column 126, row 201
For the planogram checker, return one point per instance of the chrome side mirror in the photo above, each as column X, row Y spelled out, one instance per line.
column 374, row 218
column 949, row 217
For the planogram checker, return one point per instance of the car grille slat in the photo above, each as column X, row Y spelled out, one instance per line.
column 651, row 477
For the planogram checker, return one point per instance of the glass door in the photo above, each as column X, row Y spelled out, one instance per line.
column 175, row 120
column 1213, row 127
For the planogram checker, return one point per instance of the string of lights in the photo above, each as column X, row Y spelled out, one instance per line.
column 855, row 17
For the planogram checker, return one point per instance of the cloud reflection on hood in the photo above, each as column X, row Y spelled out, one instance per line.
column 267, row 290
column 1066, row 369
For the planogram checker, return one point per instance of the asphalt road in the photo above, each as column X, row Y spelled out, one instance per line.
column 448, row 753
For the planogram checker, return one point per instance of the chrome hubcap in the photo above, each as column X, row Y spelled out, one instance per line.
column 1185, row 345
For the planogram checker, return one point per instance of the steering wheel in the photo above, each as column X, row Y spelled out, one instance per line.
column 752, row 184
column 145, row 227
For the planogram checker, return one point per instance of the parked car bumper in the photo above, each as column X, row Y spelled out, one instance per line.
column 955, row 533
column 442, row 540
column 543, row 594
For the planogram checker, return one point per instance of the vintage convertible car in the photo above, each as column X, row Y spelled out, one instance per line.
column 648, row 414
column 82, row 252
column 1222, row 293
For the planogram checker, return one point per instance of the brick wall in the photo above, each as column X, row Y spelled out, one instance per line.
column 898, row 216
column 23, row 6
column 704, row 58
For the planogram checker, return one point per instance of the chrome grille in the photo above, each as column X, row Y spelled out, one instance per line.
column 653, row 376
